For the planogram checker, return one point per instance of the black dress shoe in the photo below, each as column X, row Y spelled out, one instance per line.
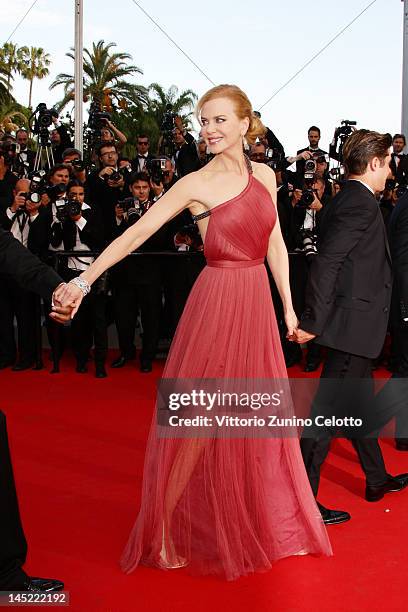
column 312, row 366
column 100, row 371
column 145, row 365
column 81, row 368
column 292, row 360
column 44, row 585
column 6, row 364
column 22, row 365
column 119, row 362
column 401, row 444
column 393, row 484
column 333, row 517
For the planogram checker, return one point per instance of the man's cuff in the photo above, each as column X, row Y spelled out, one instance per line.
column 10, row 214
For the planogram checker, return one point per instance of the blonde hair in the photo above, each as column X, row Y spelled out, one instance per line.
column 243, row 108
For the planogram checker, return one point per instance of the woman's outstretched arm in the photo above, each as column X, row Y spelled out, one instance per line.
column 174, row 201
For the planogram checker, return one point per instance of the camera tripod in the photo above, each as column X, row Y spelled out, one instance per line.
column 44, row 155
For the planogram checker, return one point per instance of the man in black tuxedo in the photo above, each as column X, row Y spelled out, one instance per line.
column 143, row 155
column 399, row 161
column 347, row 307
column 26, row 155
column 398, row 235
column 29, row 224
column 186, row 156
column 32, row 274
column 313, row 135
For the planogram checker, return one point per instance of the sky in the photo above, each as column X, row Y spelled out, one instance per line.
column 257, row 45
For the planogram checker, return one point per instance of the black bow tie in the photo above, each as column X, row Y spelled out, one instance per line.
column 398, row 155
column 142, row 156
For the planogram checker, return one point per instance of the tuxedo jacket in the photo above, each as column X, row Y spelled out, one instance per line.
column 349, row 287
column 400, row 172
column 31, row 273
column 39, row 233
column 91, row 235
column 398, row 236
column 135, row 162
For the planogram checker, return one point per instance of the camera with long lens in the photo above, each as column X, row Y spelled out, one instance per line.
column 309, row 177
column 132, row 207
column 116, row 175
column 309, row 241
column 156, row 169
column 31, row 196
column 9, row 151
column 401, row 188
column 66, row 208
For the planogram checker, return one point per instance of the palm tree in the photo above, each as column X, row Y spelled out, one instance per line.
column 105, row 75
column 11, row 61
column 182, row 104
column 35, row 66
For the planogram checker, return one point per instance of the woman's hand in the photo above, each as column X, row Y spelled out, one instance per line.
column 69, row 295
column 292, row 323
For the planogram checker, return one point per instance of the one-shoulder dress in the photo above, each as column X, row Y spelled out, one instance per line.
column 227, row 506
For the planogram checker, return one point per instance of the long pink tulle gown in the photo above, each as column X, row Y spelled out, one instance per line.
column 227, row 506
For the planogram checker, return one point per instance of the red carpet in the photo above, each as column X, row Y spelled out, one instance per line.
column 78, row 446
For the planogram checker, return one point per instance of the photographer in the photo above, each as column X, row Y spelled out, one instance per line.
column 313, row 135
column 60, row 139
column 108, row 134
column 73, row 159
column 399, row 160
column 137, row 281
column 30, row 226
column 202, row 153
column 8, row 180
column 105, row 192
column 185, row 156
column 79, row 228
column 307, row 205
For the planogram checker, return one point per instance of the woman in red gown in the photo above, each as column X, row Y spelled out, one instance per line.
column 228, row 506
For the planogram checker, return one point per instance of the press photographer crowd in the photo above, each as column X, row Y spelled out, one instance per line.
column 66, row 207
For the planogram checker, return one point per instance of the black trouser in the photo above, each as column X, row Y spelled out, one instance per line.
column 24, row 305
column 127, row 300
column 315, row 444
column 89, row 326
column 400, row 346
column 13, row 545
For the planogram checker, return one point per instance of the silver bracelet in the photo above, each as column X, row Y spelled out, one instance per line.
column 82, row 284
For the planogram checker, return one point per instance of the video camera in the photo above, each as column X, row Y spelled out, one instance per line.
column 167, row 127
column 97, row 118
column 42, row 121
column 340, row 136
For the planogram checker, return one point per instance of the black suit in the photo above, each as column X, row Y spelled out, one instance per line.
column 400, row 171
column 32, row 274
column 136, row 162
column 137, row 282
column 16, row 301
column 347, row 306
column 398, row 234
column 186, row 157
